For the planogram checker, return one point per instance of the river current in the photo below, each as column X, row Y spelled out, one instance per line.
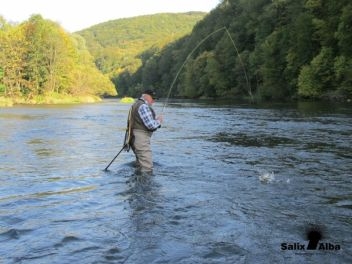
column 231, row 184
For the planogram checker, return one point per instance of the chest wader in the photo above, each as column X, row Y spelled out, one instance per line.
column 131, row 123
column 138, row 138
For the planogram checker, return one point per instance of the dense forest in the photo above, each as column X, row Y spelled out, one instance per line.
column 41, row 63
column 259, row 49
column 120, row 46
column 39, row 60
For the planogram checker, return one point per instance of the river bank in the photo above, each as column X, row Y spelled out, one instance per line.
column 49, row 99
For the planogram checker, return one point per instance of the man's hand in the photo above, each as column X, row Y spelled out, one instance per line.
column 160, row 118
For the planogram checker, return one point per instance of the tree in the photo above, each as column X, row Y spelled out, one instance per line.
column 13, row 48
column 343, row 75
column 317, row 78
column 86, row 78
column 288, row 48
column 343, row 33
column 302, row 48
column 38, row 58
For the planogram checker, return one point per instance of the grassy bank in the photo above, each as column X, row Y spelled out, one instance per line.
column 127, row 100
column 5, row 102
column 49, row 99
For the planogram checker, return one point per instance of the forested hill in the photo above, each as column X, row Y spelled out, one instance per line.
column 118, row 45
column 41, row 63
column 265, row 49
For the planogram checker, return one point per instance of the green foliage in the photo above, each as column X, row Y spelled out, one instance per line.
column 13, row 47
column 2, row 86
column 343, row 33
column 39, row 59
column 117, row 45
column 301, row 48
column 284, row 48
column 308, row 87
column 267, row 49
column 343, row 75
column 317, row 78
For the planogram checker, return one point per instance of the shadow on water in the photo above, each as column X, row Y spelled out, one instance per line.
column 246, row 140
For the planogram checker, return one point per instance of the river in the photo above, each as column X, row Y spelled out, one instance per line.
column 231, row 184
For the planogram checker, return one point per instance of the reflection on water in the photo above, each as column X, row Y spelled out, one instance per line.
column 230, row 185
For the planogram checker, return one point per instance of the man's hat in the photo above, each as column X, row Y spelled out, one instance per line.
column 151, row 93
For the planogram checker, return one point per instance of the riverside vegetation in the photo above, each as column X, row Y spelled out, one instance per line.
column 288, row 50
column 42, row 63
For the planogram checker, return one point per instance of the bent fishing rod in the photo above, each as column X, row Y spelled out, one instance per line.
column 128, row 133
column 190, row 54
column 184, row 63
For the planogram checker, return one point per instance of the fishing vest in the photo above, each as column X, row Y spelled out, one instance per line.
column 136, row 120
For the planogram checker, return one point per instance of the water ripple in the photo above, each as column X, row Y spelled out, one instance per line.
column 230, row 184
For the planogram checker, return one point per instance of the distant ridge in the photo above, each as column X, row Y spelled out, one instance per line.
column 117, row 44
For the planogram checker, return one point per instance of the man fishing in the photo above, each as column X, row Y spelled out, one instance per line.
column 142, row 122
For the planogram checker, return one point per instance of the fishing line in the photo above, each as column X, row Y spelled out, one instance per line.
column 190, row 54
column 242, row 64
column 126, row 143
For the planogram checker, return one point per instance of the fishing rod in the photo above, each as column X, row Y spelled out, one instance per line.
column 190, row 54
column 242, row 64
column 124, row 146
column 126, row 142
column 128, row 132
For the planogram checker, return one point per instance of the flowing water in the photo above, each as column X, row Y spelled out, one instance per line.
column 231, row 184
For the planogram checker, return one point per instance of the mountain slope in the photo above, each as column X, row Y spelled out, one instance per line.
column 116, row 44
column 257, row 49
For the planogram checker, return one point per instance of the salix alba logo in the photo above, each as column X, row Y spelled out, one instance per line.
column 315, row 241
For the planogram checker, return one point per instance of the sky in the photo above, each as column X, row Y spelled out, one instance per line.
column 74, row 15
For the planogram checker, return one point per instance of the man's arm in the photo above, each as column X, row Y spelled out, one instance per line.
column 147, row 118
